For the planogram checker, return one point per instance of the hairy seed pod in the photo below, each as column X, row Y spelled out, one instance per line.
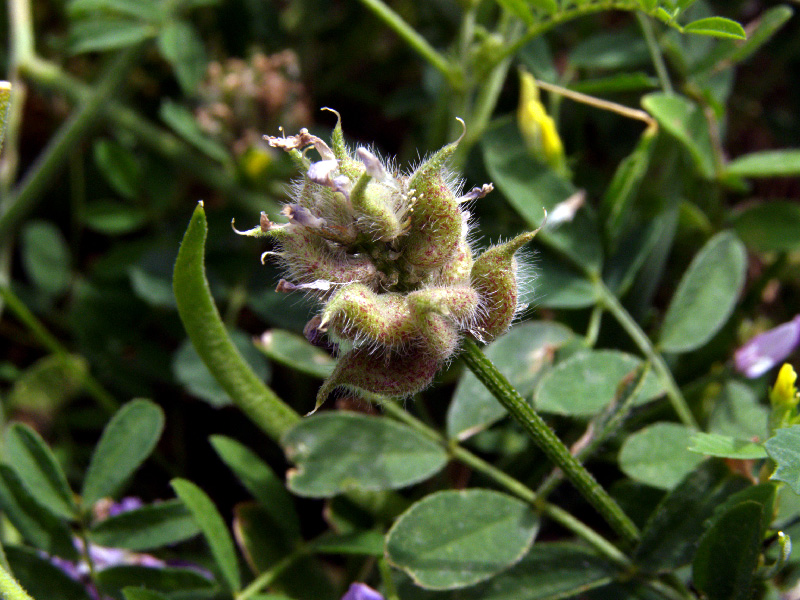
column 308, row 258
column 494, row 277
column 358, row 314
column 393, row 374
column 388, row 257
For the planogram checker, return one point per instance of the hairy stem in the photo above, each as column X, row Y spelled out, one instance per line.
column 548, row 442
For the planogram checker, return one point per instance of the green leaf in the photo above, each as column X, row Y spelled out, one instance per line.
column 185, row 125
column 213, row 528
column 453, row 539
column 523, row 355
column 586, row 383
column 119, row 166
column 717, row 27
column 260, row 481
column 685, row 121
column 138, row 593
column 619, row 82
column 619, row 50
column 359, row 543
column 759, row 32
column 658, row 455
column 167, row 580
column 48, row 384
column 295, row 351
column 784, row 449
column 530, row 187
column 264, row 546
column 770, row 227
column 518, row 8
column 112, row 217
column 559, row 285
column 728, row 554
column 764, row 494
column 621, row 192
column 37, row 526
column 101, row 34
column 45, row 257
column 769, row 163
column 192, row 373
column 182, row 47
column 127, row 441
column 715, row 444
column 633, row 250
column 336, row 452
column 41, row 578
column 706, row 295
column 151, row 526
column 207, row 332
column 145, row 10
column 548, row 6
column 39, row 471
column 549, row 571
column 670, row 536
column 152, row 287
column 738, row 413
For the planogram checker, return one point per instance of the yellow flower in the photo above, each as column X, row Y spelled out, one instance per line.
column 537, row 127
column 784, row 399
column 785, row 392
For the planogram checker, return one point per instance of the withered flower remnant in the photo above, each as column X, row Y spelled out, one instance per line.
column 387, row 255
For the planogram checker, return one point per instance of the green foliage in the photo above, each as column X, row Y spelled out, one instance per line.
column 455, row 539
column 671, row 239
column 338, row 452
column 127, row 441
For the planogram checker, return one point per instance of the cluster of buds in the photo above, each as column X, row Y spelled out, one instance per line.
column 239, row 98
column 388, row 257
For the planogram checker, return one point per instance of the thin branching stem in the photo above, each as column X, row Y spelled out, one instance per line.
column 547, row 441
column 416, row 41
column 511, row 484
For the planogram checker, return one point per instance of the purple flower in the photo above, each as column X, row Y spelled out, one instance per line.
column 361, row 591
column 768, row 349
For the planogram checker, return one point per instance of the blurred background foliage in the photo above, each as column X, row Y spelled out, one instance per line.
column 186, row 90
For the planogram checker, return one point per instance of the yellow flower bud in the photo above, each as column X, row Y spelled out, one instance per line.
column 537, row 127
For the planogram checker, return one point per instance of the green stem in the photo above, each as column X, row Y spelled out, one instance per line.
column 10, row 589
column 593, row 330
column 416, row 41
column 655, row 52
column 505, row 480
column 65, row 141
column 486, row 100
column 548, row 442
column 93, row 386
column 387, row 579
column 562, row 17
column 613, row 305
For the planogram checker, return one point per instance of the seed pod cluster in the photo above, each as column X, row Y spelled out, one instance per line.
column 388, row 257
